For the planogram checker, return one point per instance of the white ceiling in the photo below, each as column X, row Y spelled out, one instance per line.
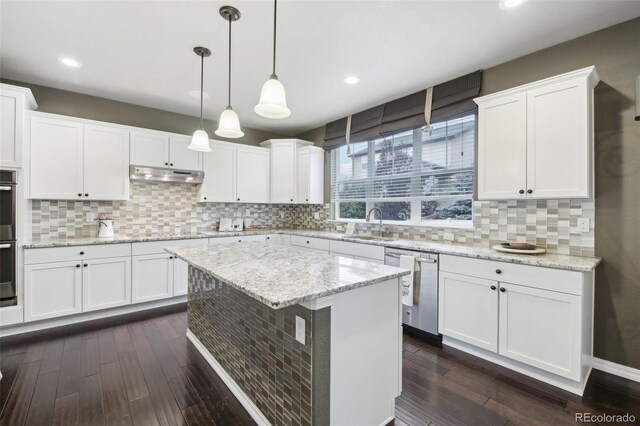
column 141, row 51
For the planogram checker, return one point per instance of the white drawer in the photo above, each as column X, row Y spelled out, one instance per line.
column 313, row 243
column 236, row 239
column 356, row 249
column 62, row 254
column 532, row 276
column 157, row 247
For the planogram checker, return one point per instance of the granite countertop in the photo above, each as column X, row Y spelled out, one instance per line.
column 555, row 261
column 280, row 276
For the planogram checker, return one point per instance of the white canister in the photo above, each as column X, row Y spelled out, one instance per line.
column 105, row 228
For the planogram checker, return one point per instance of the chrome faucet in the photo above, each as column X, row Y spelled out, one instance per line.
column 381, row 229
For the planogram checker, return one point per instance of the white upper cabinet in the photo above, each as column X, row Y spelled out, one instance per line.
column 106, row 163
column 297, row 171
column 502, row 162
column 536, row 141
column 56, row 159
column 159, row 149
column 252, row 174
column 14, row 101
column 219, row 183
column 181, row 157
column 71, row 160
column 149, row 148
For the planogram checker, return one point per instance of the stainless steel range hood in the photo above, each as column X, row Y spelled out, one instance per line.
column 159, row 174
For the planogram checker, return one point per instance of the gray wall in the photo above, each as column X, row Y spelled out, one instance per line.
column 616, row 54
column 74, row 104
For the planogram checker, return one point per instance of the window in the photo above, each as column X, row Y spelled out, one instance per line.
column 414, row 177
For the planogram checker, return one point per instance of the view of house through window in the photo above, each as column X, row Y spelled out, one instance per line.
column 414, row 177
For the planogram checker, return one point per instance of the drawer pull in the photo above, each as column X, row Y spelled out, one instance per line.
column 170, row 257
column 307, row 242
column 81, row 253
column 498, row 271
column 4, row 246
column 86, row 264
column 502, row 289
column 493, row 287
column 78, row 265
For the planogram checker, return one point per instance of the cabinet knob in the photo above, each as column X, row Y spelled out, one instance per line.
column 502, row 289
column 307, row 199
column 81, row 253
column 238, row 199
column 307, row 242
column 170, row 257
column 78, row 265
column 86, row 194
column 493, row 287
column 498, row 271
column 79, row 195
column 205, row 198
column 268, row 238
column 85, row 265
column 171, row 164
column 292, row 199
column 521, row 191
column 166, row 164
column 529, row 191
column 239, row 241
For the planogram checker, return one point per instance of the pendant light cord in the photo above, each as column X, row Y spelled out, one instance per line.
column 229, row 93
column 201, row 88
column 275, row 14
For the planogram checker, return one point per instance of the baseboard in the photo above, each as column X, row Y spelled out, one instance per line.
column 247, row 403
column 616, row 369
column 28, row 327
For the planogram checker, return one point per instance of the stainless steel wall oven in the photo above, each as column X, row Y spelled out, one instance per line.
column 8, row 249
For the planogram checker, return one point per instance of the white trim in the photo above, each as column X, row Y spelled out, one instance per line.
column 251, row 408
column 87, row 316
column 320, row 303
column 616, row 369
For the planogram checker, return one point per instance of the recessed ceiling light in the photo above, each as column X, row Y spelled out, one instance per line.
column 352, row 79
column 196, row 94
column 511, row 4
column 70, row 62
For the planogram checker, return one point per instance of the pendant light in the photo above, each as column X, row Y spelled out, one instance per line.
column 200, row 139
column 229, row 124
column 273, row 100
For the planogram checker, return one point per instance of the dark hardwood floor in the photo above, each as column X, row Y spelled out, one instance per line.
column 141, row 370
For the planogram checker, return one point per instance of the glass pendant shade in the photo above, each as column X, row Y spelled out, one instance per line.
column 200, row 141
column 273, row 100
column 229, row 126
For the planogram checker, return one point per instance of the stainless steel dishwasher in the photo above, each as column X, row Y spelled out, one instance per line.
column 423, row 314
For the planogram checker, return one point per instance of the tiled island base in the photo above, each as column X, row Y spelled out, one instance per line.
column 281, row 381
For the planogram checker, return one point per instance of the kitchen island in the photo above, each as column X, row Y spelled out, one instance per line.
column 299, row 336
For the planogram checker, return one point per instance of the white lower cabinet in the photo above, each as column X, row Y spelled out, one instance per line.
column 468, row 310
column 152, row 277
column 180, row 277
column 541, row 328
column 540, row 323
column 52, row 290
column 106, row 283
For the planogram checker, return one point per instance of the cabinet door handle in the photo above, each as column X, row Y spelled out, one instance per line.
column 502, row 289
column 529, row 191
column 493, row 287
column 521, row 191
column 498, row 271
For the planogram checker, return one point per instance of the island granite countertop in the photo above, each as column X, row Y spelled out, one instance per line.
column 280, row 276
column 549, row 260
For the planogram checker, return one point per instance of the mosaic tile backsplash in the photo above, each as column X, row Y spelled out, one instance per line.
column 172, row 208
column 256, row 345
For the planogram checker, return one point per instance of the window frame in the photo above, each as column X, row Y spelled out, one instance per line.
column 414, row 201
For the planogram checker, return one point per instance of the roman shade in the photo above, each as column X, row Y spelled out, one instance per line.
column 449, row 99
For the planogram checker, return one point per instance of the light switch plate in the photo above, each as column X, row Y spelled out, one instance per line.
column 300, row 326
column 583, row 224
column 316, row 215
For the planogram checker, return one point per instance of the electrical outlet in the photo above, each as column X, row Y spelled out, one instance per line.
column 281, row 215
column 300, row 326
column 448, row 236
column 91, row 217
column 583, row 224
column 316, row 215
